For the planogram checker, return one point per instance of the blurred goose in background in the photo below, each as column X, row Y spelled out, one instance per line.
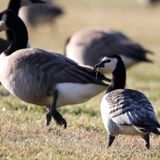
column 44, row 78
column 15, row 5
column 89, row 45
column 148, row 2
column 40, row 14
column 125, row 111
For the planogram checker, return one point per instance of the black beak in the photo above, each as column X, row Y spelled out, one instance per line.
column 98, row 66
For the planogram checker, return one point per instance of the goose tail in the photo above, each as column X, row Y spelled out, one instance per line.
column 147, row 59
column 156, row 131
column 156, row 128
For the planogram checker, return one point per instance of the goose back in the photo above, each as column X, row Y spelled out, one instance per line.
column 34, row 73
column 127, row 107
column 88, row 46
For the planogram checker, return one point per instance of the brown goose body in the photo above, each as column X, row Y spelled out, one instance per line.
column 41, row 77
column 34, row 74
column 89, row 45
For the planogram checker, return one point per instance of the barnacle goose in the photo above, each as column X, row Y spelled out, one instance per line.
column 125, row 111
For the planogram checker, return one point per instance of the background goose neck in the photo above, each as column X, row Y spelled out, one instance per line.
column 20, row 36
column 13, row 5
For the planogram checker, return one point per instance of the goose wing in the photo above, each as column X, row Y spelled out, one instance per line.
column 130, row 107
column 113, row 42
column 59, row 68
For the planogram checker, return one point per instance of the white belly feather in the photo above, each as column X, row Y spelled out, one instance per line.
column 74, row 93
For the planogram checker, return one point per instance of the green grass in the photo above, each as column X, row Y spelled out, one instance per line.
column 23, row 134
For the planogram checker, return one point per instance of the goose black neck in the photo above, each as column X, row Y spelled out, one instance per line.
column 119, row 77
column 20, row 36
column 13, row 5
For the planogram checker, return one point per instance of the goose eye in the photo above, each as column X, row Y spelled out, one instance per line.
column 108, row 61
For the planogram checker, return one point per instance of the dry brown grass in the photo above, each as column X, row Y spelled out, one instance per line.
column 23, row 134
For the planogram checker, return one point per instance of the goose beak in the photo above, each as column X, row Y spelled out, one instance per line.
column 98, row 67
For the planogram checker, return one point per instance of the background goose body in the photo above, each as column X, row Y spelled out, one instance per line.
column 41, row 14
column 88, row 46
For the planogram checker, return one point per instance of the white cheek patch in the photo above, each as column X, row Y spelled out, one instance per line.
column 110, row 67
column 3, row 26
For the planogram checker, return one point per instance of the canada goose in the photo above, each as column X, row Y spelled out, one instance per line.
column 41, row 14
column 15, row 5
column 125, row 111
column 88, row 46
column 41, row 77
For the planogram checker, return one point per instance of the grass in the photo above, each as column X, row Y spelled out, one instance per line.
column 23, row 134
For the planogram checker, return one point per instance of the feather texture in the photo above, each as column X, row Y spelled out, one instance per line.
column 130, row 107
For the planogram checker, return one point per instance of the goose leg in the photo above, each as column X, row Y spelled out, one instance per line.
column 146, row 140
column 56, row 115
column 110, row 140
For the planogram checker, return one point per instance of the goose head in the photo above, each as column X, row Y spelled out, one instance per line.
column 108, row 64
column 115, row 65
column 6, row 20
column 9, row 21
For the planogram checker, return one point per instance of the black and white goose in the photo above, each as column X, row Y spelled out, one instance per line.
column 125, row 111
column 88, row 46
column 15, row 5
column 42, row 77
